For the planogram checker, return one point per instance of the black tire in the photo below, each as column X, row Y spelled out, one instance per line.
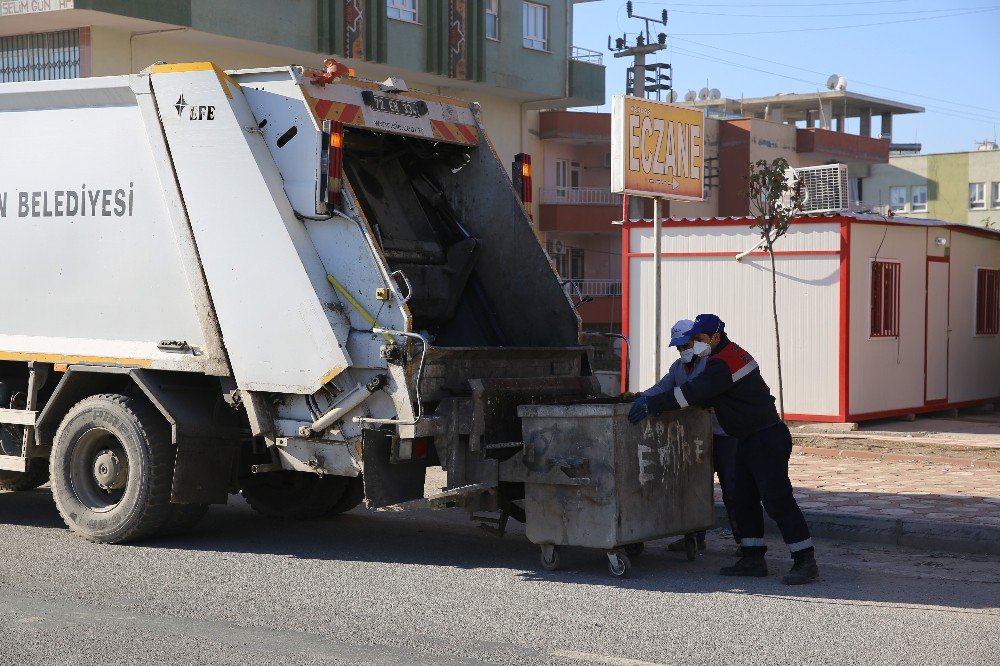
column 552, row 560
column 182, row 519
column 620, row 566
column 353, row 495
column 112, row 468
column 294, row 495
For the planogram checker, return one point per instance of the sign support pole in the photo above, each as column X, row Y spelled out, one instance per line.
column 657, row 295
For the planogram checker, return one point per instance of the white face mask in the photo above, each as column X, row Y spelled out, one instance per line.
column 701, row 349
column 687, row 355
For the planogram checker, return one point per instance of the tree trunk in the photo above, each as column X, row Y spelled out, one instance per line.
column 777, row 337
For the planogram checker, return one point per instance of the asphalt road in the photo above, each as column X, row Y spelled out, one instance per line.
column 430, row 588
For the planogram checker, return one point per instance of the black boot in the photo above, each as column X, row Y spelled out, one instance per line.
column 747, row 566
column 804, row 570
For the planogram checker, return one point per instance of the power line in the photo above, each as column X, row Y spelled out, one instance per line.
column 836, row 27
column 851, row 15
column 699, row 56
column 865, row 83
column 743, row 4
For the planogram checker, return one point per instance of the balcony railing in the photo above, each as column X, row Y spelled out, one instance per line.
column 580, row 196
column 581, row 288
column 586, row 55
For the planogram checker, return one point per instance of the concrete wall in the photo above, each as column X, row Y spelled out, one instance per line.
column 947, row 177
column 887, row 373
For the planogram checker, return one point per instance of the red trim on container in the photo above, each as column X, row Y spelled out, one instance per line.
column 921, row 409
column 626, row 297
column 845, row 318
column 780, row 253
column 943, row 260
column 819, row 418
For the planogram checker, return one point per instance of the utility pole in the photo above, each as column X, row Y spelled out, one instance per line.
column 645, row 46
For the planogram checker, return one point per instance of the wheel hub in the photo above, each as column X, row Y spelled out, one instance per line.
column 109, row 473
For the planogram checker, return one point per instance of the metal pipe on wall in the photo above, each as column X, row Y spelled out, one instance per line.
column 658, row 301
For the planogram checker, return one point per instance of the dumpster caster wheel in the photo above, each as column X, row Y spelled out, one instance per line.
column 549, row 558
column 691, row 547
column 634, row 549
column 619, row 565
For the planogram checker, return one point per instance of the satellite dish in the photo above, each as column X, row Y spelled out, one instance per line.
column 714, row 93
column 831, row 82
column 690, row 96
column 673, row 95
column 841, row 83
column 703, row 94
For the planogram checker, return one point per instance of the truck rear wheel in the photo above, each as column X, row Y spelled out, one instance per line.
column 353, row 495
column 37, row 473
column 112, row 468
column 294, row 495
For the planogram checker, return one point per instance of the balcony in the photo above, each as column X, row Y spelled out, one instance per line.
column 579, row 209
column 576, row 196
column 825, row 145
column 600, row 301
column 581, row 54
column 577, row 127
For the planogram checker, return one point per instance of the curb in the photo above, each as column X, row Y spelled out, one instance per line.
column 894, row 457
column 891, row 531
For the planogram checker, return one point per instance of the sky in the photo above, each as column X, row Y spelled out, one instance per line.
column 943, row 56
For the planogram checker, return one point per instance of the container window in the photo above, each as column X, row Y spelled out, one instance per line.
column 987, row 301
column 536, row 24
column 885, row 299
column 43, row 56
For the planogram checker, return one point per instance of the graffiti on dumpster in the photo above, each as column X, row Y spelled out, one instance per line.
column 665, row 452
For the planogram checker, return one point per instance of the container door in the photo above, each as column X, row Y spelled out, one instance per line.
column 937, row 331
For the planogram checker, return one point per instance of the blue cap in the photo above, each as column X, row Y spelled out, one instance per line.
column 680, row 332
column 708, row 324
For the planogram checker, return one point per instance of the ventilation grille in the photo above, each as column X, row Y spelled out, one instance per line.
column 826, row 188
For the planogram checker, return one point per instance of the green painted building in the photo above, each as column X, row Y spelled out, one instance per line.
column 954, row 187
column 512, row 56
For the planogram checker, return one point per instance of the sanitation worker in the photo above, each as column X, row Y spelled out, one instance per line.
column 732, row 384
column 723, row 446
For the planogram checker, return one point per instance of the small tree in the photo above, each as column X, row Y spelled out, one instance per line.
column 773, row 203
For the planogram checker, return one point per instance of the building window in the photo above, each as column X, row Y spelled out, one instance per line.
column 897, row 199
column 995, row 194
column 562, row 176
column 885, row 299
column 493, row 19
column 987, row 301
column 977, row 195
column 40, row 57
column 918, row 198
column 536, row 26
column 404, row 10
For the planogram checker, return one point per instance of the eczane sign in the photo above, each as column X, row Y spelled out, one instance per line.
column 656, row 149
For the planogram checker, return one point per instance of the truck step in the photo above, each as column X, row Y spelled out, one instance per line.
column 24, row 417
column 13, row 463
column 440, row 500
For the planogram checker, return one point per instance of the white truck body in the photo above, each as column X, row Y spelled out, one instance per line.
column 173, row 235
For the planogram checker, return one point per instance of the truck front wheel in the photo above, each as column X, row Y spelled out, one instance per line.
column 295, row 495
column 112, row 468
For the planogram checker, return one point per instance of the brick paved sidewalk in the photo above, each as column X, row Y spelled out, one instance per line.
column 922, row 491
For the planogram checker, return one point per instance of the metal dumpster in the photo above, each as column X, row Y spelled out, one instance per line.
column 595, row 480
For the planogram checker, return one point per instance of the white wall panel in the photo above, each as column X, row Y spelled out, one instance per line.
column 736, row 238
column 973, row 360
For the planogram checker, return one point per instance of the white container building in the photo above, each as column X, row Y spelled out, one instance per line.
column 878, row 316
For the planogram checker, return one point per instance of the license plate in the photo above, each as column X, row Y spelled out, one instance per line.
column 400, row 107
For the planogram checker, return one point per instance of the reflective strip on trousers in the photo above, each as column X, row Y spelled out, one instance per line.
column 800, row 545
column 751, row 542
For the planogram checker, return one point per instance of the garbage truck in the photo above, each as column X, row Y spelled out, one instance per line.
column 288, row 283
column 303, row 287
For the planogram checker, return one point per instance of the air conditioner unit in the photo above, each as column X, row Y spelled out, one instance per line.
column 826, row 188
